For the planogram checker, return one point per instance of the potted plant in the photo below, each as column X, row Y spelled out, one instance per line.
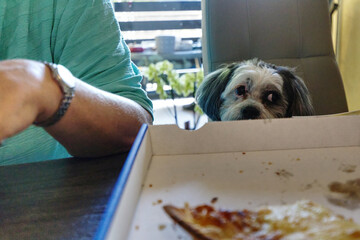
column 168, row 81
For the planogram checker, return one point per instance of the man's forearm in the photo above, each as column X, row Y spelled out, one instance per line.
column 98, row 123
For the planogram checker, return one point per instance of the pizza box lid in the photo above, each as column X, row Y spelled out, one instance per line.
column 232, row 165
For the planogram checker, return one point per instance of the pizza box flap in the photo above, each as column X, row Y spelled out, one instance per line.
column 255, row 135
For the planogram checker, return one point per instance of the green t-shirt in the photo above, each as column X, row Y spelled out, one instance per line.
column 82, row 35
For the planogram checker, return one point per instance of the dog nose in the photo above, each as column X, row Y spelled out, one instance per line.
column 250, row 113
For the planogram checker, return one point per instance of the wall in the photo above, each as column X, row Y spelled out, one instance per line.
column 349, row 51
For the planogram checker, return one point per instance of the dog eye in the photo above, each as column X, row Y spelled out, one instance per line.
column 241, row 90
column 272, row 97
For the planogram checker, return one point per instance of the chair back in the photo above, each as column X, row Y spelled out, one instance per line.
column 294, row 33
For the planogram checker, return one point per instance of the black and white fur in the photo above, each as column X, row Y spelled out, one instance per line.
column 253, row 89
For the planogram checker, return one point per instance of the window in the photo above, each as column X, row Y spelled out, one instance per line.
column 141, row 22
column 145, row 20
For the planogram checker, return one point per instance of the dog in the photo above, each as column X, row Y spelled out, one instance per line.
column 253, row 89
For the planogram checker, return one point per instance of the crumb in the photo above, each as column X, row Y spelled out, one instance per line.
column 298, row 159
column 241, row 171
column 308, row 186
column 269, row 163
column 214, row 200
column 350, row 188
column 203, row 174
column 137, row 227
column 347, row 168
column 150, row 185
column 243, row 153
column 157, row 202
column 284, row 173
column 346, row 195
column 162, row 227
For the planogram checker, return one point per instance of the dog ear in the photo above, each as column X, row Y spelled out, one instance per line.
column 208, row 95
column 297, row 93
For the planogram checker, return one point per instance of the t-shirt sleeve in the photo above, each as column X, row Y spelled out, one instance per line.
column 87, row 40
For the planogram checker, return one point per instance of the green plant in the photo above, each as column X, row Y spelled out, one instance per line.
column 163, row 74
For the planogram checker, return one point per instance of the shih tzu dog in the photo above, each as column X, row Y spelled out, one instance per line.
column 253, row 89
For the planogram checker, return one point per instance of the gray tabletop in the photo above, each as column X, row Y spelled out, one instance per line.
column 58, row 199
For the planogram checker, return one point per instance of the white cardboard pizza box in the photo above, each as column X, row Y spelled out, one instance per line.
column 235, row 165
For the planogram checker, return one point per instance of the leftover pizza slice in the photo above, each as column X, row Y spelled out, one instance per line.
column 303, row 220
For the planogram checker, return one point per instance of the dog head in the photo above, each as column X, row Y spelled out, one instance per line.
column 253, row 89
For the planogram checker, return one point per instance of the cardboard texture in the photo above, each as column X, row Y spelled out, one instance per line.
column 243, row 164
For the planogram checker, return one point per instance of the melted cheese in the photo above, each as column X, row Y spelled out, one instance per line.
column 303, row 220
column 307, row 220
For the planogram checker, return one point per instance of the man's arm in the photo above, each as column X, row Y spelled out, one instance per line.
column 97, row 123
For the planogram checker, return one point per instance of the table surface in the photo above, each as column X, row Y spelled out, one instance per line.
column 58, row 199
